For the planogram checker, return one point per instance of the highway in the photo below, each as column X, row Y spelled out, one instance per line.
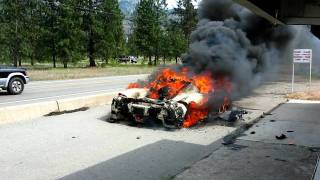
column 40, row 91
column 83, row 146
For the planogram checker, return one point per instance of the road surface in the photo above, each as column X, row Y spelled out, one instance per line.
column 39, row 91
column 84, row 146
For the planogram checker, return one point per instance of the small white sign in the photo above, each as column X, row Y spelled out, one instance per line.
column 302, row 55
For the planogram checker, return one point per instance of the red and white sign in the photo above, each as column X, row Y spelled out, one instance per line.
column 302, row 55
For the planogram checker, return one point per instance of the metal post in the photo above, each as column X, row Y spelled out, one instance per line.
column 310, row 71
column 292, row 77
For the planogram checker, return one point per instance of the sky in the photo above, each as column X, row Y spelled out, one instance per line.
column 173, row 3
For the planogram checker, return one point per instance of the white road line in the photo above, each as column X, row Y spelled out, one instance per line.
column 60, row 96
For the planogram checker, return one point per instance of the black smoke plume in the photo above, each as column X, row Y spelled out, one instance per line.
column 232, row 42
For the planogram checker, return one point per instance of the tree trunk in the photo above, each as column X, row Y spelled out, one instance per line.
column 155, row 60
column 164, row 59
column 15, row 57
column 176, row 59
column 54, row 58
column 32, row 60
column 53, row 43
column 91, row 41
column 150, row 60
column 15, row 48
column 91, row 50
column 65, row 64
column 19, row 61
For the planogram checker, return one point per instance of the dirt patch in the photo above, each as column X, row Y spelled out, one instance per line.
column 308, row 95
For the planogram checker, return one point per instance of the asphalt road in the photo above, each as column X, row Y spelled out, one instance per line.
column 84, row 146
column 39, row 91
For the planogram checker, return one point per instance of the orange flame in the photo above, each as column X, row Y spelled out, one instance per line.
column 169, row 83
column 196, row 113
column 133, row 85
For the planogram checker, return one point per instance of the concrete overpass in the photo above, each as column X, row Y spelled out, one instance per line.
column 291, row 12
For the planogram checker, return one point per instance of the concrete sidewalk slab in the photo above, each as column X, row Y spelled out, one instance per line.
column 254, row 160
column 257, row 154
column 299, row 122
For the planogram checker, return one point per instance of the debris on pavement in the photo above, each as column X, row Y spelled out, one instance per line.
column 281, row 137
column 267, row 114
column 233, row 115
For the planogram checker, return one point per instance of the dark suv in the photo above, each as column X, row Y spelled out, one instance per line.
column 13, row 79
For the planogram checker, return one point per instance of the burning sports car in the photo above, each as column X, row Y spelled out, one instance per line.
column 175, row 98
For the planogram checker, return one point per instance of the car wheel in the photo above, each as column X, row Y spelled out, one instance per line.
column 15, row 86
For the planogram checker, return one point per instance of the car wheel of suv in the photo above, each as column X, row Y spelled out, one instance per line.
column 15, row 86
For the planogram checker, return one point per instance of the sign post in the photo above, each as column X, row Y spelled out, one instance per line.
column 302, row 56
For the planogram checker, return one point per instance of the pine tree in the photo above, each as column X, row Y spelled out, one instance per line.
column 13, row 24
column 187, row 16
column 102, row 24
column 49, row 24
column 112, row 40
column 146, row 28
column 62, row 31
column 34, row 30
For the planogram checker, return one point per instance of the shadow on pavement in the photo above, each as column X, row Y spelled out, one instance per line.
column 160, row 160
column 250, row 157
column 3, row 93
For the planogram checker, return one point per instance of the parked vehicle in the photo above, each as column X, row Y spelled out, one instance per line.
column 133, row 59
column 13, row 79
column 126, row 59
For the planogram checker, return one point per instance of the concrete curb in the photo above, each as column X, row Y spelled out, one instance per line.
column 86, row 101
column 34, row 110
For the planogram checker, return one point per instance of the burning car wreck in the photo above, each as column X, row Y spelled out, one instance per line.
column 172, row 98
column 231, row 52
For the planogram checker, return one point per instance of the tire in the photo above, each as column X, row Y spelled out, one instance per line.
column 15, row 86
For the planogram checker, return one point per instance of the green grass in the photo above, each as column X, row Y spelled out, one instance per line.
column 38, row 74
column 44, row 70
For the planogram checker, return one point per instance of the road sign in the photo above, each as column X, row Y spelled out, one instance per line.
column 302, row 56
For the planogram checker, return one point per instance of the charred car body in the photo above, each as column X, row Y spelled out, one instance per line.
column 175, row 97
column 135, row 105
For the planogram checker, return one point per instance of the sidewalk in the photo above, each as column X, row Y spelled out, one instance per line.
column 258, row 154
